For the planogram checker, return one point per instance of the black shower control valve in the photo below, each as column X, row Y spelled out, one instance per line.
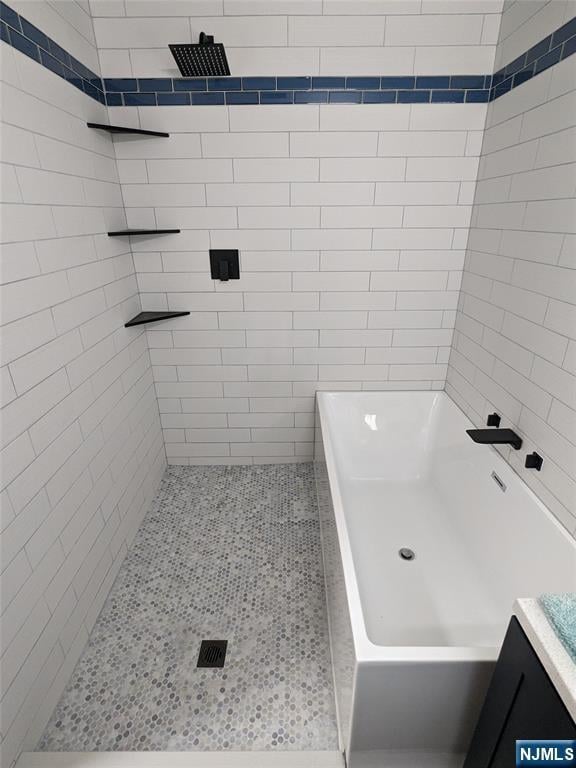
column 224, row 265
column 493, row 420
column 534, row 461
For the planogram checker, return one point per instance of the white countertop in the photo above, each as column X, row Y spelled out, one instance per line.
column 548, row 647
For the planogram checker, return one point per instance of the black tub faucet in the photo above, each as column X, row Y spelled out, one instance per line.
column 496, row 437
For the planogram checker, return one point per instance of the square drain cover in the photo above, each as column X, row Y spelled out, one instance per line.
column 212, row 653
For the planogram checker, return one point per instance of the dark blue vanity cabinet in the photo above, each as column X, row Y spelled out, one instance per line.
column 521, row 703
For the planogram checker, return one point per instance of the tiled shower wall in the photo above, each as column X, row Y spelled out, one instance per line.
column 82, row 447
column 351, row 220
column 302, row 37
column 352, row 240
column 515, row 340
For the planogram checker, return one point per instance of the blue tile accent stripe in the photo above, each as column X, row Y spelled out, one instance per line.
column 549, row 51
column 19, row 33
column 370, row 89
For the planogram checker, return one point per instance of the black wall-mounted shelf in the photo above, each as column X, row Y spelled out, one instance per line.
column 127, row 232
column 122, row 129
column 152, row 317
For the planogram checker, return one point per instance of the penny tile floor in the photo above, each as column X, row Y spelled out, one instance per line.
column 229, row 553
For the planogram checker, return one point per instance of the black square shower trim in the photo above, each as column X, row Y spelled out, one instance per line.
column 224, row 264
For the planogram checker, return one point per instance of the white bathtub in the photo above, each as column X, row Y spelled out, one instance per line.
column 414, row 642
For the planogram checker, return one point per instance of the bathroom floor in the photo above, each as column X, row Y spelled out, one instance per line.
column 226, row 553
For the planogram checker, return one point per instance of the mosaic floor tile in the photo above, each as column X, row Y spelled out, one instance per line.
column 228, row 553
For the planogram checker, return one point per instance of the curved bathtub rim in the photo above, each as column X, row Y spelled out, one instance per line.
column 367, row 651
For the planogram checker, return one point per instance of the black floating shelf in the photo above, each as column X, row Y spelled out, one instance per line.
column 153, row 317
column 126, row 232
column 122, row 129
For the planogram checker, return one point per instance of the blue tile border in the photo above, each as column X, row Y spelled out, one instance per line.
column 326, row 83
column 21, row 34
column 18, row 32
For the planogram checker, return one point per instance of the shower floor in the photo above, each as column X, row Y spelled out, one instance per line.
column 225, row 553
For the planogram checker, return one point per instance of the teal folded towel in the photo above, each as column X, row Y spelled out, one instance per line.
column 561, row 613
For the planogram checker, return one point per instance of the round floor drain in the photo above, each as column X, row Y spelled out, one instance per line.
column 406, row 554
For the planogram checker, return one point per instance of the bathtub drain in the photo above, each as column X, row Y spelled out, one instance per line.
column 406, row 554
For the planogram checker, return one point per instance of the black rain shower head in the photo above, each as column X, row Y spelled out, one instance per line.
column 205, row 58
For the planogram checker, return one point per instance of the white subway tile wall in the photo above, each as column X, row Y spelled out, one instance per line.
column 68, row 23
column 82, row 448
column 350, row 261
column 515, row 338
column 366, row 234
column 302, row 37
